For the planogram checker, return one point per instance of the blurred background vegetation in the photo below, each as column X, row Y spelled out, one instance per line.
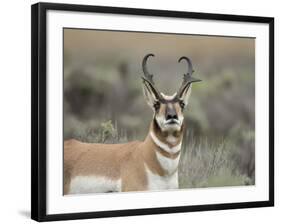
column 103, row 99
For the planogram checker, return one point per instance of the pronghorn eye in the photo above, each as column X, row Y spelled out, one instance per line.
column 157, row 106
column 182, row 104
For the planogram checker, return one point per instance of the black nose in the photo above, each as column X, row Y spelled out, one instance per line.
column 171, row 116
column 171, row 113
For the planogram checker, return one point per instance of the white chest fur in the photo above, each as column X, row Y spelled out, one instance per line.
column 170, row 165
column 156, row 182
column 93, row 184
column 169, row 181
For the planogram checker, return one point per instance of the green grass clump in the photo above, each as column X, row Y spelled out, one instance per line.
column 106, row 132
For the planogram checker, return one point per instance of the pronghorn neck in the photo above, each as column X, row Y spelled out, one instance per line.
column 161, row 156
column 171, row 139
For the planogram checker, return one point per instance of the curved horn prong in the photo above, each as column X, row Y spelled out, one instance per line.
column 190, row 68
column 187, row 78
column 147, row 75
column 148, row 78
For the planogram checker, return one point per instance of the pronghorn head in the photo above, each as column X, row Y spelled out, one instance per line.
column 168, row 110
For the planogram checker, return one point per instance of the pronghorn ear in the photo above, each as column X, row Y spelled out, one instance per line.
column 150, row 94
column 185, row 93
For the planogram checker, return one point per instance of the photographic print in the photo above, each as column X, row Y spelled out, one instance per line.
column 132, row 124
column 140, row 111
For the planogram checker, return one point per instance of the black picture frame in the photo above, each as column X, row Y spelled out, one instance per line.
column 39, row 122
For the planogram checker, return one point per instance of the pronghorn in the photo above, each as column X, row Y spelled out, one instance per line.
column 151, row 164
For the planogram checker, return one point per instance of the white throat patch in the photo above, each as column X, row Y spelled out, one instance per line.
column 171, row 139
column 164, row 146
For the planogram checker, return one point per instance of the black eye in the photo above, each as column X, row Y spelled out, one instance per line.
column 182, row 104
column 157, row 106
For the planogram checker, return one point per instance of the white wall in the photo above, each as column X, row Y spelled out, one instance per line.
column 15, row 110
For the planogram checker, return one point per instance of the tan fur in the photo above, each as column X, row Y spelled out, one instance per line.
column 126, row 161
column 178, row 108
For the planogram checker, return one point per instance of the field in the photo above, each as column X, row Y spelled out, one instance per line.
column 103, row 99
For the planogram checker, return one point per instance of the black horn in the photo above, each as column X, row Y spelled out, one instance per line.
column 190, row 68
column 147, row 75
column 187, row 77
